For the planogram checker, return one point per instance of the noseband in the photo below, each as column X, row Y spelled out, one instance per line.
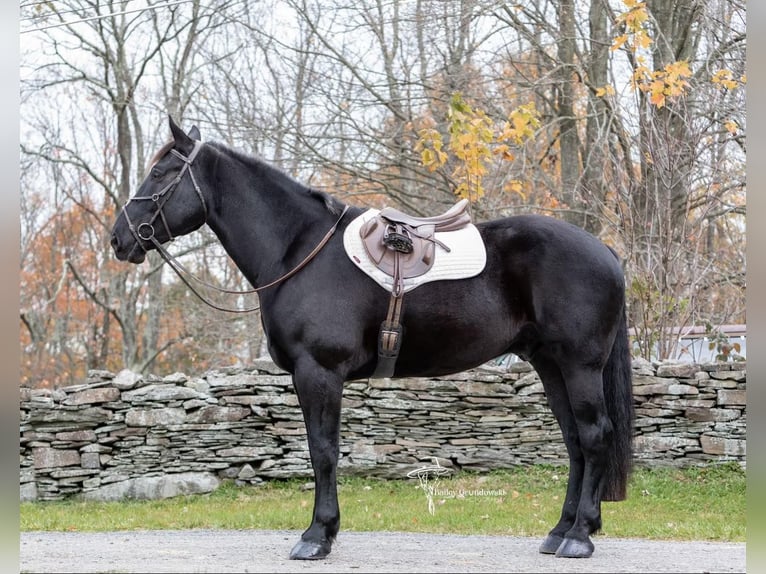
column 145, row 231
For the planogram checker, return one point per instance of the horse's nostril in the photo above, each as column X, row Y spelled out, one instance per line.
column 114, row 241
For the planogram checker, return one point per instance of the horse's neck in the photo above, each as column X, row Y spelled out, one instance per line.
column 262, row 226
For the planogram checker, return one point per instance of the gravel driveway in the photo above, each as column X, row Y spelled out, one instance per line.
column 266, row 551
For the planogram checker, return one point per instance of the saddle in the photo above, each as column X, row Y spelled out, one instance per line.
column 403, row 246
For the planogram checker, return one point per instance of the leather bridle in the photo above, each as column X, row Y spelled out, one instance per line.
column 145, row 232
column 161, row 198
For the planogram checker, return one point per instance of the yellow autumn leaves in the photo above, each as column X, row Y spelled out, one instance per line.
column 471, row 142
column 632, row 22
column 668, row 83
column 475, row 142
column 660, row 85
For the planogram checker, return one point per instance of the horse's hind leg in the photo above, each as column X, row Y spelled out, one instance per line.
column 594, row 431
column 319, row 393
column 558, row 401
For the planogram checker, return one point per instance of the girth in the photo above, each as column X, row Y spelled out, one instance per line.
column 403, row 246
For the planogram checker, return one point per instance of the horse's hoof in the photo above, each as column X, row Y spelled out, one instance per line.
column 551, row 544
column 306, row 550
column 571, row 548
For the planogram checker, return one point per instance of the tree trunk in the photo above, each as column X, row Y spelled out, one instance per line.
column 569, row 142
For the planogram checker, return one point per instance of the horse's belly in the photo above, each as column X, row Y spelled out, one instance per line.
column 452, row 347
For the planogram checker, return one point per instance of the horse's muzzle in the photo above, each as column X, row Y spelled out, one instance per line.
column 131, row 252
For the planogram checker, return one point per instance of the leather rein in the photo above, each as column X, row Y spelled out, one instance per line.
column 145, row 231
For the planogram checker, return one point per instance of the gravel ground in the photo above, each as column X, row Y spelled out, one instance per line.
column 191, row 551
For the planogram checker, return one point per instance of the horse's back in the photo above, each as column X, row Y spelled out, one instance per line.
column 539, row 240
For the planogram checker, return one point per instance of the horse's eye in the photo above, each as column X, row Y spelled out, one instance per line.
column 156, row 174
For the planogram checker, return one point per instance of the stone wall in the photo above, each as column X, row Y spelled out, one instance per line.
column 128, row 436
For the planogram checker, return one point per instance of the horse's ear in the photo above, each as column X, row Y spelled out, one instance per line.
column 194, row 133
column 182, row 140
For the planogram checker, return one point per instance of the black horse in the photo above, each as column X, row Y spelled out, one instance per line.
column 550, row 293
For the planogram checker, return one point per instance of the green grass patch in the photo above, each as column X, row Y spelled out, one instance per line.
column 706, row 503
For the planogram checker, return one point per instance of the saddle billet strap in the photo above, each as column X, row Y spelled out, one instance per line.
column 389, row 339
column 390, row 335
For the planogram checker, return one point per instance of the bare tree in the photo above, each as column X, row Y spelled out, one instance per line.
column 100, row 61
column 336, row 94
column 635, row 171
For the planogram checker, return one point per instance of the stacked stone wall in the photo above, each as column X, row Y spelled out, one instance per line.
column 128, row 436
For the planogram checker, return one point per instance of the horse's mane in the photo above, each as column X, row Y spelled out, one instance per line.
column 332, row 204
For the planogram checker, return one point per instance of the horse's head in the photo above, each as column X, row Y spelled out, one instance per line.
column 168, row 203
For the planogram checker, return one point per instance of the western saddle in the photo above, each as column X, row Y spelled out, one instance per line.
column 404, row 246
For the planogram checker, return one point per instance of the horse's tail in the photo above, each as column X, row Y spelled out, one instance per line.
column 618, row 392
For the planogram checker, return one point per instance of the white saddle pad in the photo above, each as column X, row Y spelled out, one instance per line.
column 466, row 258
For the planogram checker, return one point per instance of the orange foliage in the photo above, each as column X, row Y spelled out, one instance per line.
column 64, row 335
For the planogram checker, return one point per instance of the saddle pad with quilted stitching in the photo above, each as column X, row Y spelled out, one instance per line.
column 466, row 258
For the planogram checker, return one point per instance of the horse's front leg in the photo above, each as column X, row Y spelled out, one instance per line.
column 319, row 393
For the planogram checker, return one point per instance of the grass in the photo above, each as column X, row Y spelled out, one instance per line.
column 706, row 503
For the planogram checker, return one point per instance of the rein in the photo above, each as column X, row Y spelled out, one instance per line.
column 161, row 198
